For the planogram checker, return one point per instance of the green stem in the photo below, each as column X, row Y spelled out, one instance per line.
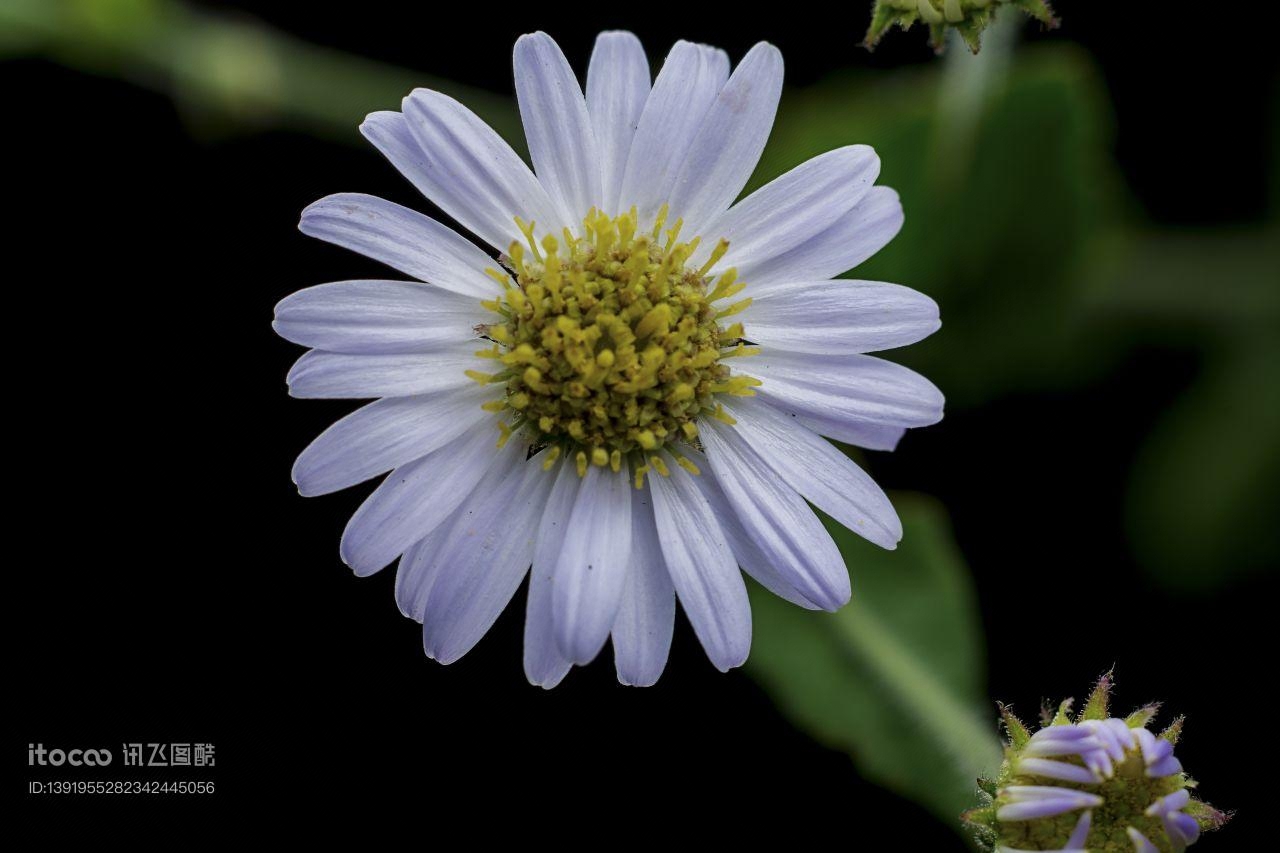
column 967, row 81
column 969, row 740
column 234, row 68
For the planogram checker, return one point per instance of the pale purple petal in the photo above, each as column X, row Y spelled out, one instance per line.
column 618, row 85
column 591, row 570
column 1060, row 770
column 544, row 664
column 791, row 209
column 337, row 375
column 646, row 615
column 777, row 518
column 403, row 239
column 417, row 498
column 386, row 434
column 838, row 316
column 826, row 477
column 683, row 92
column 728, row 145
column 1080, row 834
column 859, row 387
column 702, row 568
column 751, row 559
column 484, row 559
column 373, row 316
column 850, row 238
column 1141, row 844
column 562, row 144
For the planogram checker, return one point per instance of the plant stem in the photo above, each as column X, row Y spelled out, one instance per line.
column 971, row 742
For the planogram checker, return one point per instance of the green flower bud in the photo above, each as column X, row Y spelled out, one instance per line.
column 967, row 17
column 1090, row 782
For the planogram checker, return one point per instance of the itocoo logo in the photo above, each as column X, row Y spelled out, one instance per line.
column 37, row 754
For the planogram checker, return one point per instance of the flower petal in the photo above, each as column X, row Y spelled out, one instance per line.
column 728, row 145
column 483, row 561
column 618, row 85
column 853, row 237
column 336, row 375
column 791, row 209
column 591, row 570
column 822, row 474
column 859, row 387
column 859, row 433
column 777, row 519
column 838, row 316
column 702, row 568
column 562, row 144
column 683, row 92
column 459, row 163
column 403, row 239
column 750, row 558
column 387, row 434
column 647, row 611
column 417, row 498
column 544, row 664
column 1141, row 844
column 376, row 317
column 418, row 570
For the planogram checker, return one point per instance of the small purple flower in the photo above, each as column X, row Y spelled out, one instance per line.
column 1083, row 785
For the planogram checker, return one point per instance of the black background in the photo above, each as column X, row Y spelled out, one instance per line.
column 176, row 588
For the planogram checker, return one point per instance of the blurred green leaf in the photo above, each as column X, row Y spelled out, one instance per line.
column 1206, row 485
column 895, row 678
column 228, row 72
column 1010, row 200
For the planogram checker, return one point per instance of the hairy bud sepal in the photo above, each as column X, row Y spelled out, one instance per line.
column 967, row 17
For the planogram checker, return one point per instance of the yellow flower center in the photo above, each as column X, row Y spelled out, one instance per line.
column 609, row 345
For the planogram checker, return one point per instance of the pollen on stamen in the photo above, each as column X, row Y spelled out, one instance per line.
column 609, row 345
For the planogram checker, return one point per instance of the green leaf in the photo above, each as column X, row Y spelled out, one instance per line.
column 1207, row 481
column 896, row 677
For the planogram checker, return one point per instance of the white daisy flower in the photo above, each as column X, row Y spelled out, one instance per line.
column 630, row 397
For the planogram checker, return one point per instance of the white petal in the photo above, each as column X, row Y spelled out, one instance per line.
column 791, row 208
column 387, row 434
column 728, row 146
column 403, row 239
column 853, row 237
column 377, row 317
column 838, row 316
column 483, row 561
column 647, row 611
column 417, row 498
column 617, row 88
column 683, row 92
column 750, row 558
column 418, row 570
column 859, row 433
column 336, row 375
column 777, row 519
column 544, row 664
column 702, row 568
column 562, row 144
column 459, row 163
column 826, row 477
column 859, row 387
column 592, row 568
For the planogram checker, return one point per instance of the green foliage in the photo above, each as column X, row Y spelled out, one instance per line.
column 896, row 678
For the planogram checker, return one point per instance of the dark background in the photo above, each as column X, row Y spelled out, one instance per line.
column 180, row 590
